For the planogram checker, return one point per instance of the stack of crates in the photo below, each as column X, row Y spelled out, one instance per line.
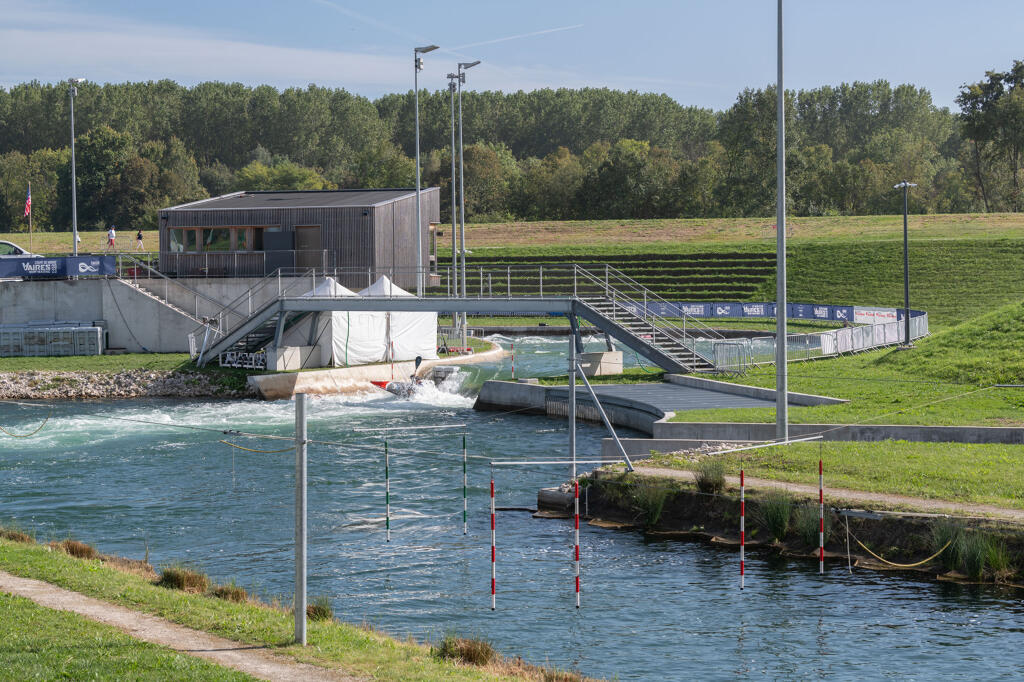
column 35, row 341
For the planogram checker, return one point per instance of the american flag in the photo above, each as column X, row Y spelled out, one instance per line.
column 28, row 201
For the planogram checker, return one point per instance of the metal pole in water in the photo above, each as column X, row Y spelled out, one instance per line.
column 572, row 456
column 781, row 377
column 513, row 350
column 300, row 518
column 493, row 551
column 464, row 486
column 821, row 518
column 743, row 538
column 387, row 492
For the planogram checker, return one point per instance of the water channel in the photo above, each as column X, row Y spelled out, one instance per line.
column 664, row 610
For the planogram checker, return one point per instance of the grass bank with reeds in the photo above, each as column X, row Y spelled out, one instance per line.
column 188, row 598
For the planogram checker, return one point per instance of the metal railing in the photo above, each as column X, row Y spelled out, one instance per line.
column 185, row 298
column 243, row 263
column 825, row 344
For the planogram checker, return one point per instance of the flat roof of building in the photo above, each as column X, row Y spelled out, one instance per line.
column 327, row 198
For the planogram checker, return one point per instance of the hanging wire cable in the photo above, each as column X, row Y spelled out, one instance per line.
column 28, row 435
column 262, row 452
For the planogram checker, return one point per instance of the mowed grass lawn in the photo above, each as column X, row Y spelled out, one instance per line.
column 960, row 472
column 358, row 650
column 92, row 241
column 640, row 236
column 37, row 643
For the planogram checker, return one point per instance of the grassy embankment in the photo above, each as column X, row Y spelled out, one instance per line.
column 356, row 650
column 959, row 472
column 945, row 380
column 44, row 644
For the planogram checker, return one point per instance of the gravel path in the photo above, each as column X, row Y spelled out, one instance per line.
column 254, row 660
column 915, row 503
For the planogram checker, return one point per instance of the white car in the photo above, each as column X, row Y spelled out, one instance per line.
column 12, row 250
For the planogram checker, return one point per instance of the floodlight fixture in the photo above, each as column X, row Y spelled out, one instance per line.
column 904, row 185
column 468, row 65
column 425, row 49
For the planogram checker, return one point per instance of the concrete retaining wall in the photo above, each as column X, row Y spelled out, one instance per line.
column 133, row 320
column 803, row 399
column 838, row 432
column 509, row 395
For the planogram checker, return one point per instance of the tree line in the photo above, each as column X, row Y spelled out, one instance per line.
column 542, row 155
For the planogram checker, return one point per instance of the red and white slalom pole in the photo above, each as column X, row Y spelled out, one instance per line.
column 576, row 501
column 493, row 550
column 513, row 347
column 821, row 518
column 743, row 515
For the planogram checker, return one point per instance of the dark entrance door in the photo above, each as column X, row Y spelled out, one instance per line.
column 308, row 247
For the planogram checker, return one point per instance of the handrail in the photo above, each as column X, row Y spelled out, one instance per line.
column 650, row 294
column 656, row 321
column 153, row 271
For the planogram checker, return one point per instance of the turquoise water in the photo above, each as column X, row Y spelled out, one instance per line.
column 651, row 611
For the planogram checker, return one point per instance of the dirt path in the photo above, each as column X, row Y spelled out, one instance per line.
column 915, row 503
column 251, row 659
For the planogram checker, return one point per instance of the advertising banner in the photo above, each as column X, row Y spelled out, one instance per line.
column 65, row 266
column 727, row 309
column 757, row 310
column 867, row 315
column 842, row 313
column 693, row 309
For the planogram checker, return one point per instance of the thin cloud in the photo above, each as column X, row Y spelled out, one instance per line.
column 516, row 37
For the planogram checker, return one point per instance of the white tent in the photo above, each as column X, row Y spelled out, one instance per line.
column 411, row 334
column 342, row 338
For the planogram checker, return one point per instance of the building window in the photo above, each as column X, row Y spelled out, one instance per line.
column 217, row 239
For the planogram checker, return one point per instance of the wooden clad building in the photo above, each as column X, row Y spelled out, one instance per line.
column 360, row 233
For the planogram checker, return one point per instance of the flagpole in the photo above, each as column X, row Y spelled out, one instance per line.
column 30, row 247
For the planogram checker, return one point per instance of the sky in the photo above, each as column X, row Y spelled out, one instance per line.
column 699, row 52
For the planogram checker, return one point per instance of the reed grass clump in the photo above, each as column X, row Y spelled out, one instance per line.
column 230, row 592
column 710, row 475
column 999, row 561
column 78, row 549
column 807, row 523
column 974, row 554
column 773, row 512
column 320, row 609
column 465, row 650
column 950, row 532
column 15, row 535
column 649, row 499
column 179, row 577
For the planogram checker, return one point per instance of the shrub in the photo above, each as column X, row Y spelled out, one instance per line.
column 975, row 550
column 320, row 609
column 649, row 498
column 78, row 549
column 178, row 577
column 773, row 512
column 15, row 535
column 230, row 592
column 948, row 532
column 806, row 523
column 710, row 475
column 560, row 676
column 463, row 650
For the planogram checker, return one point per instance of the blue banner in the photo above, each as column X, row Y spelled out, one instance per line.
column 727, row 309
column 64, row 266
column 842, row 313
column 758, row 309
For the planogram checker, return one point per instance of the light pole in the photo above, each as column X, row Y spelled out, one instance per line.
column 72, row 91
column 905, row 186
column 463, row 66
column 781, row 340
column 454, row 277
column 417, row 67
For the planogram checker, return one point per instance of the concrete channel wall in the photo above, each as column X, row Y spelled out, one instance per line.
column 134, row 321
column 802, row 399
column 665, row 430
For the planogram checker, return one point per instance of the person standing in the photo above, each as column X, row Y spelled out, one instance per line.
column 111, row 235
column 138, row 241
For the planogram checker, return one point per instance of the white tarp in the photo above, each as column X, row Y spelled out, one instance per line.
column 412, row 334
column 342, row 338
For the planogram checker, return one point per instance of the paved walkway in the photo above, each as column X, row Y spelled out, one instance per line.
column 668, row 397
column 915, row 503
column 247, row 658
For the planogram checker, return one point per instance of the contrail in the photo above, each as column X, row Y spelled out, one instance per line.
column 521, row 35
